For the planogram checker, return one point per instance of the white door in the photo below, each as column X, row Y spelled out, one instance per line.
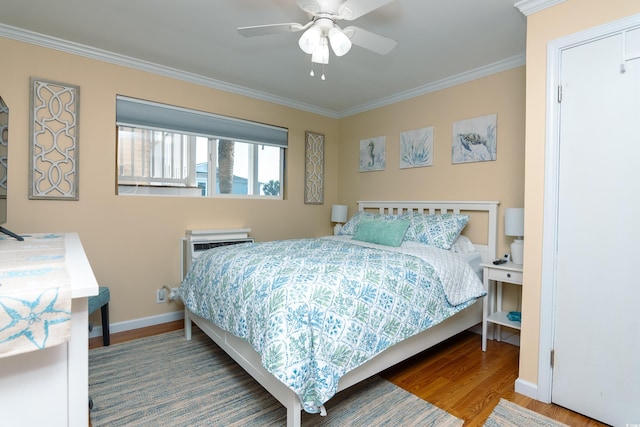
column 597, row 315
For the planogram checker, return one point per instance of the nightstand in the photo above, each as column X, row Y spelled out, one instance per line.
column 494, row 276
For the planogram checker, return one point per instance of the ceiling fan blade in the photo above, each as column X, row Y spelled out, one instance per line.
column 265, row 30
column 353, row 9
column 371, row 41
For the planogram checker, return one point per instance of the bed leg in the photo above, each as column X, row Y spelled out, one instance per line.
column 187, row 325
column 294, row 414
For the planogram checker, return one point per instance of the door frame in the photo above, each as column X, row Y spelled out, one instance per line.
column 550, row 211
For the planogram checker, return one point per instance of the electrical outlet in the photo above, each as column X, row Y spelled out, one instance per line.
column 161, row 296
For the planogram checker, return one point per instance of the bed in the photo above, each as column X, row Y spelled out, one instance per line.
column 316, row 363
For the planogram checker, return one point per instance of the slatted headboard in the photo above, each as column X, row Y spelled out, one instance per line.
column 488, row 247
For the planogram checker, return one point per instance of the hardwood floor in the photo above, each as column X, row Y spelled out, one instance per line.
column 468, row 383
column 455, row 376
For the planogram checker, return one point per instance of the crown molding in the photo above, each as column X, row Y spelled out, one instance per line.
column 527, row 7
column 138, row 64
column 496, row 67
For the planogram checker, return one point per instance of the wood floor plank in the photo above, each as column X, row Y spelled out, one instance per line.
column 456, row 376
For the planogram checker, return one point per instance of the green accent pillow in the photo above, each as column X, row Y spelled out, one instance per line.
column 381, row 232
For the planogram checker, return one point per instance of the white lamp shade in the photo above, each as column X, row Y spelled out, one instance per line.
column 514, row 222
column 339, row 213
column 321, row 54
column 310, row 39
column 340, row 43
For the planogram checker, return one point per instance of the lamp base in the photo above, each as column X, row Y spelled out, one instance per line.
column 336, row 229
column 517, row 251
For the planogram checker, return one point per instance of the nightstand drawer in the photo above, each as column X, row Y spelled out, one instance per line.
column 505, row 276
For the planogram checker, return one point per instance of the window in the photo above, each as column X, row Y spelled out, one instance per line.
column 154, row 157
column 173, row 151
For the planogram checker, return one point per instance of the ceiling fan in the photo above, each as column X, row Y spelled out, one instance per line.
column 323, row 31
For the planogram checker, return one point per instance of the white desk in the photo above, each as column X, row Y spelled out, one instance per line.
column 51, row 386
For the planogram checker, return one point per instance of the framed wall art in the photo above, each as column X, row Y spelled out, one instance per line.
column 373, row 154
column 314, row 168
column 474, row 140
column 416, row 148
column 54, row 116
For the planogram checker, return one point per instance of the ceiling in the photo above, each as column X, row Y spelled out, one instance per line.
column 440, row 43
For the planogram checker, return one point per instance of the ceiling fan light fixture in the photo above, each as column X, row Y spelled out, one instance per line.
column 321, row 54
column 340, row 43
column 310, row 39
column 322, row 29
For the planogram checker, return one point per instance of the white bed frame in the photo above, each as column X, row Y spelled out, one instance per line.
column 248, row 358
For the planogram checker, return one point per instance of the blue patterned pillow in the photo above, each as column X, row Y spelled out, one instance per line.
column 439, row 231
column 349, row 228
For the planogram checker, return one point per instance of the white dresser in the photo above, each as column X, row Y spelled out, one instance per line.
column 50, row 386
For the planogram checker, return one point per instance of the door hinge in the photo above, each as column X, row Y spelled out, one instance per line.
column 552, row 357
column 559, row 94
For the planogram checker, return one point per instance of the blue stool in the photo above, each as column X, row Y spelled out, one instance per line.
column 101, row 301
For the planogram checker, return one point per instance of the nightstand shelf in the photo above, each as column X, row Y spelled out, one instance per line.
column 492, row 315
column 500, row 318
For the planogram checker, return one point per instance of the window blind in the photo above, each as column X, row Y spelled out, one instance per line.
column 140, row 113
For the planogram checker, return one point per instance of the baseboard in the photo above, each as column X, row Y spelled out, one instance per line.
column 477, row 329
column 138, row 323
column 527, row 388
column 179, row 315
column 511, row 338
column 507, row 335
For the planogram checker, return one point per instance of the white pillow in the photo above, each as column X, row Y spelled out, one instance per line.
column 463, row 245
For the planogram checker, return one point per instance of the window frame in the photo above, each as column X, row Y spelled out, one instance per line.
column 150, row 116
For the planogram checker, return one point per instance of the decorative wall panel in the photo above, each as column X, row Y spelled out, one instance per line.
column 314, row 168
column 54, row 119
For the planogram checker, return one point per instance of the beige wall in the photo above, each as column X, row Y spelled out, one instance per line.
column 133, row 242
column 559, row 21
column 501, row 180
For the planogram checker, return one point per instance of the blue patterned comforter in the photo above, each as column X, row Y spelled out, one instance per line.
column 314, row 309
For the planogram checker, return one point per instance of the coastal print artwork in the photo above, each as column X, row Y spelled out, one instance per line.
column 373, row 154
column 416, row 148
column 474, row 140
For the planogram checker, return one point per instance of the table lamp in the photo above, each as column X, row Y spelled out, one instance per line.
column 514, row 226
column 339, row 216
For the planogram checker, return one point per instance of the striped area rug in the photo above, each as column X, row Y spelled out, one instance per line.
column 509, row 414
column 165, row 380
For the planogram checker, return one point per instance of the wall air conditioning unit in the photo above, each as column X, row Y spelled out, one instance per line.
column 197, row 241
